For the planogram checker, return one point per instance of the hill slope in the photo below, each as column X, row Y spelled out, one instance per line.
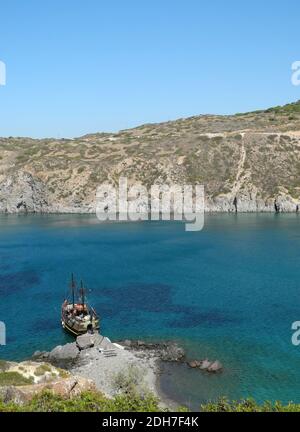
column 252, row 159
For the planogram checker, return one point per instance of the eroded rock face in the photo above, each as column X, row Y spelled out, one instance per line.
column 22, row 193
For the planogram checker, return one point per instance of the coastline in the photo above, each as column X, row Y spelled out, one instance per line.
column 165, row 400
column 111, row 366
column 249, row 208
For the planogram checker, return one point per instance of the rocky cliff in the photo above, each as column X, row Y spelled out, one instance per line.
column 247, row 163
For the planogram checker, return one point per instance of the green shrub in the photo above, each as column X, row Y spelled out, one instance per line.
column 86, row 402
column 130, row 381
column 63, row 373
column 249, row 405
column 42, row 369
column 97, row 402
column 14, row 378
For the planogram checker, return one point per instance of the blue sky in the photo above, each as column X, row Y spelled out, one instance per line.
column 76, row 67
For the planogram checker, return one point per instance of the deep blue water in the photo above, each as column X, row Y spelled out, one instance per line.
column 229, row 292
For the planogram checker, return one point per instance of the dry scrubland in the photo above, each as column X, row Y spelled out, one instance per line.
column 252, row 159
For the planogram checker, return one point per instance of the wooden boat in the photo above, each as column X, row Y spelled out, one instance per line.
column 77, row 317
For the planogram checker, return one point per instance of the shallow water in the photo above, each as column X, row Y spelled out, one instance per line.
column 229, row 292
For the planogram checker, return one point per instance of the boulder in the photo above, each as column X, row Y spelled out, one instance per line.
column 40, row 356
column 64, row 356
column 85, row 341
column 194, row 364
column 216, row 366
column 205, row 364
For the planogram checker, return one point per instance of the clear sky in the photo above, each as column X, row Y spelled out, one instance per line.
column 76, row 67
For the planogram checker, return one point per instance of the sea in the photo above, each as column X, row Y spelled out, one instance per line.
column 229, row 292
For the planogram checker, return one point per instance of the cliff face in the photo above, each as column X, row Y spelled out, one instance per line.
column 248, row 162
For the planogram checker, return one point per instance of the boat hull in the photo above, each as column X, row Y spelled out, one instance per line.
column 77, row 332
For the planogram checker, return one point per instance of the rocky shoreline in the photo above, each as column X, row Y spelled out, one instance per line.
column 94, row 363
column 25, row 193
column 96, row 358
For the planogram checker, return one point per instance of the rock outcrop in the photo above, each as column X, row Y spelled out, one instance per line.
column 86, row 341
column 166, row 351
column 62, row 356
column 206, row 365
column 23, row 193
column 216, row 366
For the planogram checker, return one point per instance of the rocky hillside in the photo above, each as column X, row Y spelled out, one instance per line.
column 20, row 382
column 247, row 162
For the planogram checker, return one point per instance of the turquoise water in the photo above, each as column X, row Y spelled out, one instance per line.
column 229, row 292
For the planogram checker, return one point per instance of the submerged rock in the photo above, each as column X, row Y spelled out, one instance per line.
column 205, row 364
column 216, row 366
column 194, row 364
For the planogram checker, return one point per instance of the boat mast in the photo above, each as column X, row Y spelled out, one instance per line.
column 73, row 290
column 82, row 293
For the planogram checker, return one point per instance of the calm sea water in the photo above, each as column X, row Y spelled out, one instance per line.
column 229, row 292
